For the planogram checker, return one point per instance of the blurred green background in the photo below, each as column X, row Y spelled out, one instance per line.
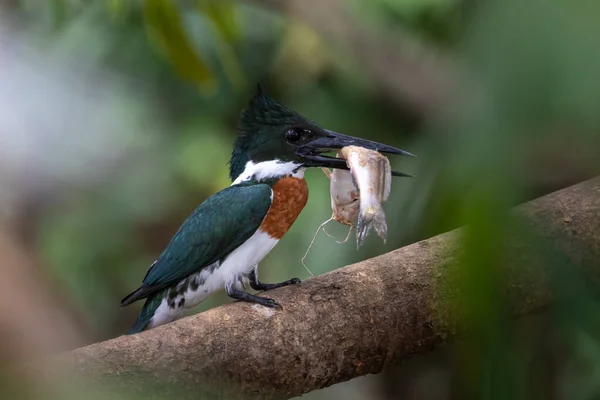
column 172, row 78
column 192, row 67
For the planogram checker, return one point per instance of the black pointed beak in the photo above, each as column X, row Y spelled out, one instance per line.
column 312, row 152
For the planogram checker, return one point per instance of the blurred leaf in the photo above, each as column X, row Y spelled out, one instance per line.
column 222, row 13
column 415, row 6
column 117, row 9
column 59, row 12
column 164, row 26
column 203, row 158
column 434, row 20
column 223, row 17
column 302, row 55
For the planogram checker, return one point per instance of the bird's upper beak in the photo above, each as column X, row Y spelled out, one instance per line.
column 312, row 152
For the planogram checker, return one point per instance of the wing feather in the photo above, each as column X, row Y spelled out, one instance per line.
column 217, row 227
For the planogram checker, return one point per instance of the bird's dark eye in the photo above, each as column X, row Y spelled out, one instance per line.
column 293, row 135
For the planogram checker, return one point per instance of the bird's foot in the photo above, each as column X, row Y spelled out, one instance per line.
column 270, row 286
column 268, row 302
column 251, row 298
column 257, row 285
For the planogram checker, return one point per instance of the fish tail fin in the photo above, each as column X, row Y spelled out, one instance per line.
column 379, row 223
column 372, row 216
column 146, row 315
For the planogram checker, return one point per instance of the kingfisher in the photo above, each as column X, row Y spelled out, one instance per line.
column 221, row 243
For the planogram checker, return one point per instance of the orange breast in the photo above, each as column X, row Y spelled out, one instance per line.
column 289, row 198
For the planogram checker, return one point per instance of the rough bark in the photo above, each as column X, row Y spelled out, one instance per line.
column 349, row 322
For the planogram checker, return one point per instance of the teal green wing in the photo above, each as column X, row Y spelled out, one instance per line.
column 217, row 227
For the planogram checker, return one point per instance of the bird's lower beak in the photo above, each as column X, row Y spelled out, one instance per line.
column 312, row 152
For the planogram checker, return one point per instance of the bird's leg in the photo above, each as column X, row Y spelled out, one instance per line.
column 256, row 285
column 237, row 294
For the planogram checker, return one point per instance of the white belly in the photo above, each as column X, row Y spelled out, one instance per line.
column 194, row 289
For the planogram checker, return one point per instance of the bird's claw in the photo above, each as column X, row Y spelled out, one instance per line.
column 295, row 281
column 269, row 302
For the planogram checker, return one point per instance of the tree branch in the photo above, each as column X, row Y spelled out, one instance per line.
column 334, row 327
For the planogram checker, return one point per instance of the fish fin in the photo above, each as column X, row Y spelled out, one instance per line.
column 380, row 224
column 326, row 171
column 373, row 216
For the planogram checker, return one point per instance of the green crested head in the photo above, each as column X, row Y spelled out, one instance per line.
column 268, row 131
column 274, row 140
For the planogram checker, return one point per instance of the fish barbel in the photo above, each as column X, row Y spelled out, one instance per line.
column 361, row 191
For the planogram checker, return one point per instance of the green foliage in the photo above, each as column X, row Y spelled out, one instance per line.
column 166, row 29
column 118, row 9
column 223, row 16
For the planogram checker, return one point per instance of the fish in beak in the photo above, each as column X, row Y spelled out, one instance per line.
column 313, row 151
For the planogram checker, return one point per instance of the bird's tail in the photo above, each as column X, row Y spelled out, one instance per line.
column 372, row 216
column 146, row 314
